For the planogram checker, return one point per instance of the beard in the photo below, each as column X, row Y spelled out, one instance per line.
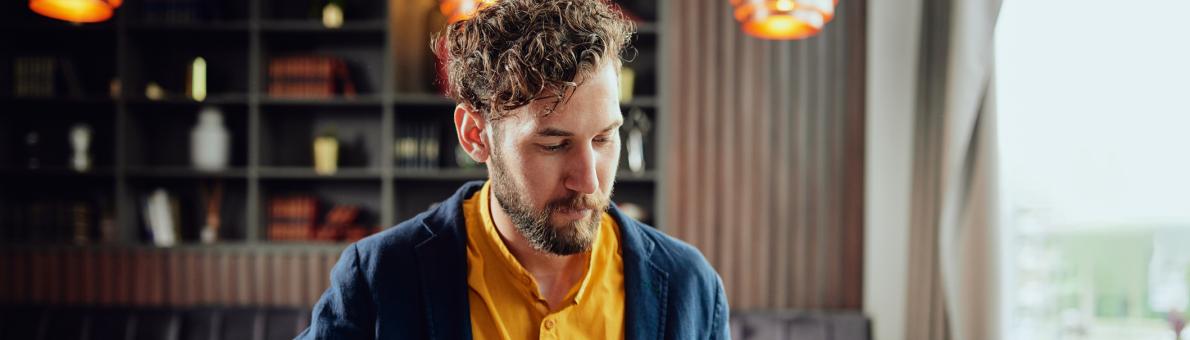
column 537, row 226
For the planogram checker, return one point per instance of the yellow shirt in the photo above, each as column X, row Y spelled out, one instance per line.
column 505, row 301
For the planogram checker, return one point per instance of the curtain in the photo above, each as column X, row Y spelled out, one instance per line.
column 953, row 282
column 763, row 159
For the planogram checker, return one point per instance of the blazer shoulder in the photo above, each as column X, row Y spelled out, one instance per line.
column 677, row 257
column 407, row 234
column 397, row 242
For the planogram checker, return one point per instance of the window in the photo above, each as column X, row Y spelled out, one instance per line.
column 1094, row 107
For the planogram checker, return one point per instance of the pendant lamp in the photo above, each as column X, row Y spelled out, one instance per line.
column 457, row 10
column 783, row 19
column 77, row 11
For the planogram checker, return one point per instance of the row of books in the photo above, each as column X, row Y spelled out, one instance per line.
column 309, row 76
column 44, row 76
column 295, row 218
column 418, row 145
column 152, row 277
column 292, row 218
column 56, row 221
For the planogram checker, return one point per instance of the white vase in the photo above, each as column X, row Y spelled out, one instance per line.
column 210, row 143
column 80, row 142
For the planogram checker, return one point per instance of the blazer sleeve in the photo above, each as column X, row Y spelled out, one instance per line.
column 346, row 309
column 720, row 323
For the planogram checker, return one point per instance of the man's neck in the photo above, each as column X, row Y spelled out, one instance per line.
column 555, row 274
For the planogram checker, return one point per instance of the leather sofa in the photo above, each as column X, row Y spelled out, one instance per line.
column 799, row 325
column 217, row 323
column 200, row 323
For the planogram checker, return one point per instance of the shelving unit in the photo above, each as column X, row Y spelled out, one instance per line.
column 140, row 144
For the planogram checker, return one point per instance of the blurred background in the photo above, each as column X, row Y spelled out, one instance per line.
column 855, row 169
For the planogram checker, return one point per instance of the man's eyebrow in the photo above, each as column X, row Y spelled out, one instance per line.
column 614, row 125
column 555, row 132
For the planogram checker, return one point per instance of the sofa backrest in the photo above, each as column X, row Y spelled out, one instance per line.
column 796, row 325
column 202, row 323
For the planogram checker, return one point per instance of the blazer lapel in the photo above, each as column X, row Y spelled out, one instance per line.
column 645, row 285
column 442, row 261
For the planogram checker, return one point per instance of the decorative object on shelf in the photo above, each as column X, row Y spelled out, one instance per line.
column 33, row 77
column 783, row 19
column 32, row 149
column 214, row 200
column 638, row 126
column 196, row 79
column 332, row 14
column 114, row 89
column 161, row 218
column 210, row 143
column 309, row 76
column 76, row 11
column 80, row 142
column 292, row 218
column 458, row 10
column 326, row 153
column 153, row 91
column 627, row 79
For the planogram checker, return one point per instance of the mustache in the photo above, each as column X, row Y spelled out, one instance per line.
column 577, row 201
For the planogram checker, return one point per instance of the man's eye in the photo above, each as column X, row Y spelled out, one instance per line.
column 602, row 139
column 553, row 147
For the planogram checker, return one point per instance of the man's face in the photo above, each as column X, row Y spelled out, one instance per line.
column 553, row 174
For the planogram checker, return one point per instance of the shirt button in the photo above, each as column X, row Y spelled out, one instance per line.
column 549, row 324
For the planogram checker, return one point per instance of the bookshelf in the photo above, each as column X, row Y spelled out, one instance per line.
column 141, row 142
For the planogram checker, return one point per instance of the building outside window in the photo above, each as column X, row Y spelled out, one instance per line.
column 1094, row 106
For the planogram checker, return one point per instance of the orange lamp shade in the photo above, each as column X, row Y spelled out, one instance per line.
column 458, row 10
column 80, row 11
column 783, row 19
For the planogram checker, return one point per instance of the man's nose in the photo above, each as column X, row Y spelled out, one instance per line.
column 582, row 176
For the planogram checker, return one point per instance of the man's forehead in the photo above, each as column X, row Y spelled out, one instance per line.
column 562, row 123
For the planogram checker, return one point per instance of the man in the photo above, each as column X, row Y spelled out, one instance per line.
column 537, row 251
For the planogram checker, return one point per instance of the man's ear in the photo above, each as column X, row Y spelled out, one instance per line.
column 470, row 128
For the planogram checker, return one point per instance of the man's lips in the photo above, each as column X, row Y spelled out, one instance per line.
column 573, row 213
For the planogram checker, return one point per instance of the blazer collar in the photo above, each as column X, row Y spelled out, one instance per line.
column 645, row 283
column 442, row 261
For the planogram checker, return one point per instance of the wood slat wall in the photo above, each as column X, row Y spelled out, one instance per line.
column 764, row 167
column 161, row 277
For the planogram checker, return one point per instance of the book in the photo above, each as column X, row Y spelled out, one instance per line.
column 338, row 220
column 292, row 218
column 33, row 77
column 309, row 76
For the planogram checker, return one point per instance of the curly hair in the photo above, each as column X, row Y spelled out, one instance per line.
column 515, row 52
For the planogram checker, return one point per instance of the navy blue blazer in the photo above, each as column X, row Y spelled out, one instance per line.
column 410, row 282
